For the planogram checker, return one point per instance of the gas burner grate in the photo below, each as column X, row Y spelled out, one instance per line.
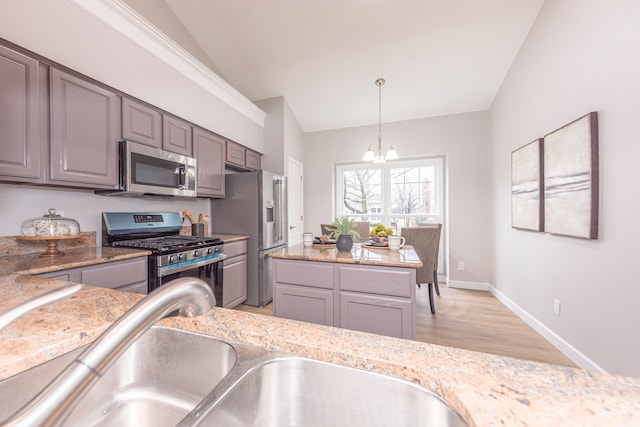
column 168, row 243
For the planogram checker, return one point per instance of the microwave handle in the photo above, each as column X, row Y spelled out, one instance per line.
column 182, row 177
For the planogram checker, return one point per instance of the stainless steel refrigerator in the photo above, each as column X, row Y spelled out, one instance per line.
column 255, row 204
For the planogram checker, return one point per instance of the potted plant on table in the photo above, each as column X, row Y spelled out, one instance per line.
column 343, row 231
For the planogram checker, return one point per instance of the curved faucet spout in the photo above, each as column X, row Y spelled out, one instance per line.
column 187, row 296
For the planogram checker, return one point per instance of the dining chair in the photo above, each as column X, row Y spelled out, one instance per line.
column 362, row 228
column 425, row 241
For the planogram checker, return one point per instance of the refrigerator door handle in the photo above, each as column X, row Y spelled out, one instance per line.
column 277, row 195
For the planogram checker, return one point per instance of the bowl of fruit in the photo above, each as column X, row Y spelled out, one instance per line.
column 379, row 233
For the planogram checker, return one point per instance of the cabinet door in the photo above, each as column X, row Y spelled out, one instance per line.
column 234, row 281
column 377, row 314
column 303, row 303
column 235, row 154
column 176, row 135
column 253, row 160
column 141, row 123
column 127, row 275
column 208, row 149
column 20, row 142
column 64, row 275
column 84, row 132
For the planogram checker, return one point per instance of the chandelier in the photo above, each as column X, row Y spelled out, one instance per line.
column 378, row 157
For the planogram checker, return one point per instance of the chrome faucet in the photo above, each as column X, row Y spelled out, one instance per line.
column 189, row 297
column 11, row 314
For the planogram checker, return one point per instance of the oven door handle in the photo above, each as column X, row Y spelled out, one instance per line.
column 168, row 270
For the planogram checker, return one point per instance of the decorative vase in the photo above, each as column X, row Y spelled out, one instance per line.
column 344, row 243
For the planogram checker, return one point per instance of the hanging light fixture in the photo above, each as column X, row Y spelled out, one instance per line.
column 377, row 157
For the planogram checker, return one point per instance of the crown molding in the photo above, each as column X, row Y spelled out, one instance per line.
column 126, row 21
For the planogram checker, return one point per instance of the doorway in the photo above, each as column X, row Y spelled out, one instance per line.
column 295, row 211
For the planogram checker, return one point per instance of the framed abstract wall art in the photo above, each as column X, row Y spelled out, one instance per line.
column 527, row 202
column 571, row 179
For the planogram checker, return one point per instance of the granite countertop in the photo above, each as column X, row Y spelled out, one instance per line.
column 487, row 390
column 405, row 257
column 18, row 257
column 229, row 238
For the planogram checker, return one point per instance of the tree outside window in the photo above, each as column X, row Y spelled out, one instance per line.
column 397, row 194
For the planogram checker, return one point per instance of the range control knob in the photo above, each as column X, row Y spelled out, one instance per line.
column 181, row 257
column 196, row 253
column 172, row 259
column 210, row 251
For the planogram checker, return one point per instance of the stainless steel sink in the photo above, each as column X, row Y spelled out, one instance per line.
column 171, row 377
column 303, row 392
column 156, row 382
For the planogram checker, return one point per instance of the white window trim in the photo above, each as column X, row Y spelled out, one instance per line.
column 441, row 200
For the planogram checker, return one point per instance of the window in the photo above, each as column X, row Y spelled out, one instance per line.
column 398, row 194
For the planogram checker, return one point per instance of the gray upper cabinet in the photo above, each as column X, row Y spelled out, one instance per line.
column 84, row 132
column 208, row 149
column 235, row 154
column 176, row 135
column 252, row 160
column 239, row 157
column 20, row 124
column 141, row 123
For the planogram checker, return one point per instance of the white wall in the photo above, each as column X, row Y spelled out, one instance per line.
column 273, row 159
column 283, row 136
column 20, row 202
column 463, row 138
column 65, row 33
column 580, row 56
column 161, row 15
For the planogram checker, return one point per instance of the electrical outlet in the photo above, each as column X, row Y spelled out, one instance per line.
column 460, row 265
column 556, row 307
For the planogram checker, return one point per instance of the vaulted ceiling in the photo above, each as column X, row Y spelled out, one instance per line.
column 438, row 57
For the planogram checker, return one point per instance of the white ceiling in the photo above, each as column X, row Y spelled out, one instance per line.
column 438, row 56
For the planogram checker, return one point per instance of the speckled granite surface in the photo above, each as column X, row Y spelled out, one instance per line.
column 81, row 256
column 226, row 238
column 487, row 390
column 229, row 238
column 405, row 257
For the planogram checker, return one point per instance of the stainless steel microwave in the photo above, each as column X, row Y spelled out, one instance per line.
column 149, row 171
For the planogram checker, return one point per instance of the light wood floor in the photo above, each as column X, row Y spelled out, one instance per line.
column 473, row 320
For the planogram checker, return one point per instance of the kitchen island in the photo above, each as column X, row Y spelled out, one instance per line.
column 366, row 289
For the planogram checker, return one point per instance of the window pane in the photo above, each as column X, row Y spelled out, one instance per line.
column 361, row 192
column 412, row 190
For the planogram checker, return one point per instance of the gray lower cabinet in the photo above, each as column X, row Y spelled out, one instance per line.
column 127, row 275
column 208, row 149
column 20, row 119
column 378, row 314
column 234, row 272
column 176, row 135
column 366, row 298
column 307, row 304
column 84, row 132
column 141, row 123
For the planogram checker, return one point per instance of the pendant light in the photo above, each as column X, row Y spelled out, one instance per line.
column 377, row 157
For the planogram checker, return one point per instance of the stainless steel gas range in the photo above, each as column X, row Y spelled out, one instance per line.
column 173, row 255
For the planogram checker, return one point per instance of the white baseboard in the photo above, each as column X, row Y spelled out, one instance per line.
column 461, row 284
column 567, row 349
